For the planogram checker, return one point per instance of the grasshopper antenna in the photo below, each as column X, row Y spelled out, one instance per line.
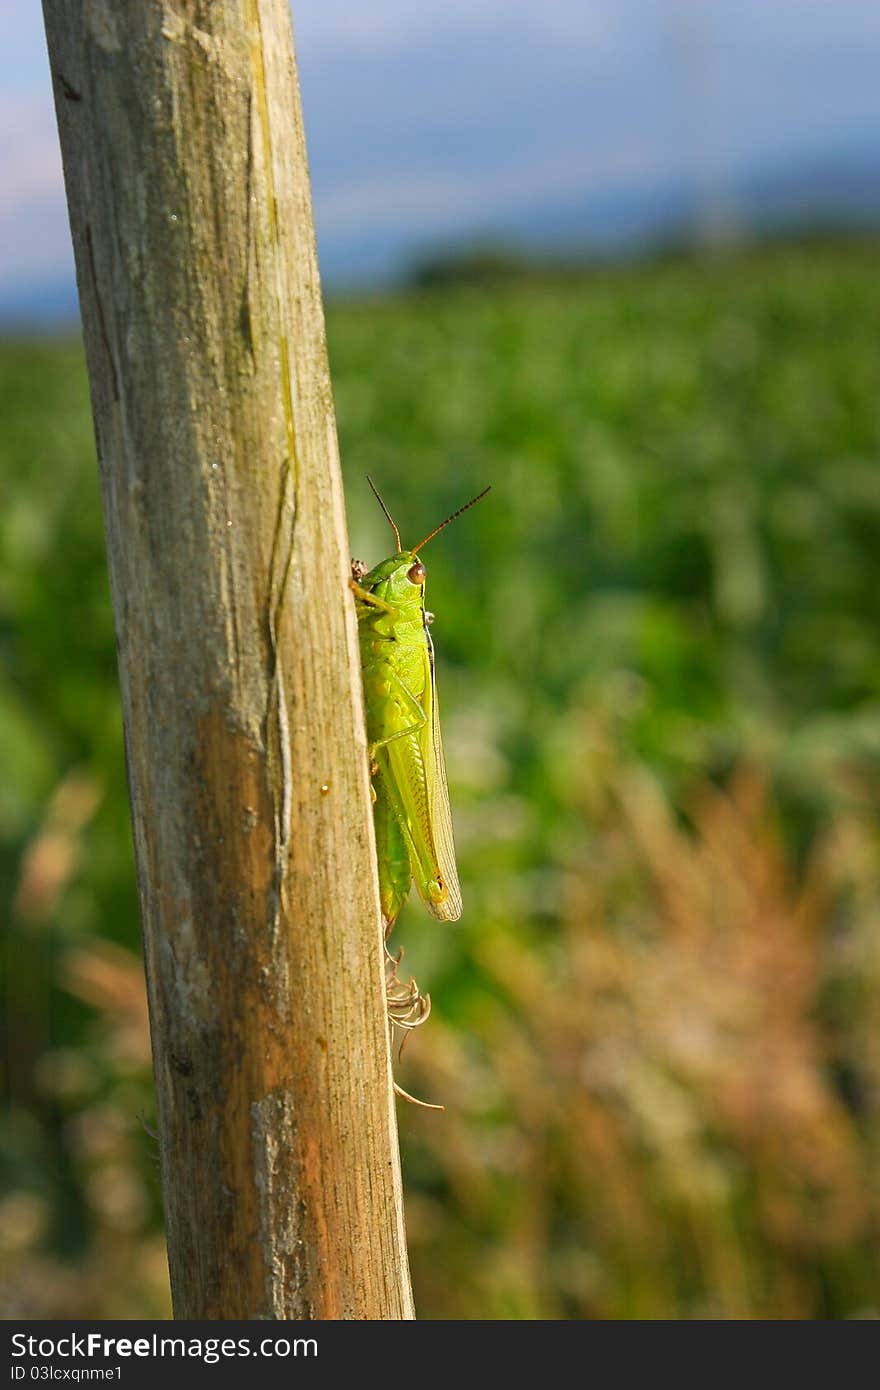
column 437, row 529
column 387, row 513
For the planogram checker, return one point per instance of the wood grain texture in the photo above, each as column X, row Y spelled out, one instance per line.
column 189, row 200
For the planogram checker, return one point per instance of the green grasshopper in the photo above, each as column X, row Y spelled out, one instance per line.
column 410, row 797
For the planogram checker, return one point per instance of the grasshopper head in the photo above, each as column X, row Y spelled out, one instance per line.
column 401, row 577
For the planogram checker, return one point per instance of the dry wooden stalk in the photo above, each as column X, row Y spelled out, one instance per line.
column 189, row 202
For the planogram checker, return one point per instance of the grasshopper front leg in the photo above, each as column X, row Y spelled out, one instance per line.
column 364, row 596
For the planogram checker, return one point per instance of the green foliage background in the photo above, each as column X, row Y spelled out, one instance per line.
column 655, row 1030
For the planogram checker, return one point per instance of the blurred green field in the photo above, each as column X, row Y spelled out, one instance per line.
column 656, row 1030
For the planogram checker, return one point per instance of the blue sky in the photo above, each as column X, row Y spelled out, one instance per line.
column 429, row 120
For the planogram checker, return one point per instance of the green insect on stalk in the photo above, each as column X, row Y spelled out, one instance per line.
column 410, row 797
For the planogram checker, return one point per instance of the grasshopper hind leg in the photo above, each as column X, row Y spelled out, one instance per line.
column 407, row 1008
column 395, row 869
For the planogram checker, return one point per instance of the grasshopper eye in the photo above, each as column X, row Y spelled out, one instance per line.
column 416, row 573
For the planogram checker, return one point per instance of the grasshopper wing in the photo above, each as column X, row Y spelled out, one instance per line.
column 449, row 910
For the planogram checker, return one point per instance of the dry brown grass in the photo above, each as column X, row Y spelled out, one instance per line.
column 664, row 1111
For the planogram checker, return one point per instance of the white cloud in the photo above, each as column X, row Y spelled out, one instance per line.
column 440, row 202
column 34, row 235
column 30, row 157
